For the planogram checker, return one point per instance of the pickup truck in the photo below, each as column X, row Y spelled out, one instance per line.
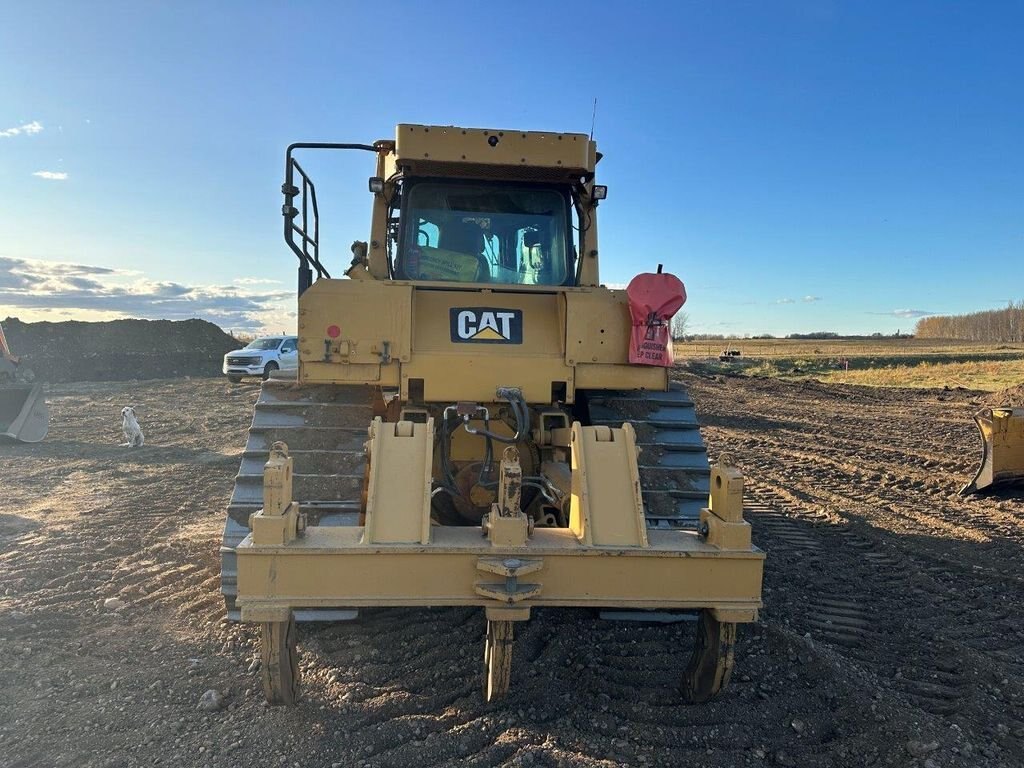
column 261, row 357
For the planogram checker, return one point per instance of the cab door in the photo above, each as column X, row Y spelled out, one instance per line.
column 289, row 354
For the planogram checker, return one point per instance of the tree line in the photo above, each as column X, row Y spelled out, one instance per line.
column 1006, row 325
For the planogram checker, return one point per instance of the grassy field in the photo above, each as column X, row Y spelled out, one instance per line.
column 885, row 362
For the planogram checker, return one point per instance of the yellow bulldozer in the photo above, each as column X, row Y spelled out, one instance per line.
column 477, row 421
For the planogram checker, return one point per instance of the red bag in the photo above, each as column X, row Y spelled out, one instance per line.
column 653, row 299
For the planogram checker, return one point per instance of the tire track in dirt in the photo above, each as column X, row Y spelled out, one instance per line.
column 894, row 616
column 402, row 687
column 871, row 482
column 898, row 579
column 908, row 501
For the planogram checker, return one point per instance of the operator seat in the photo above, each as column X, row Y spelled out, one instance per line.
column 466, row 237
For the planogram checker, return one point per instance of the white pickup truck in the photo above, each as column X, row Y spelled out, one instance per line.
column 261, row 357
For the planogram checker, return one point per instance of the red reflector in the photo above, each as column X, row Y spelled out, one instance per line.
column 333, row 331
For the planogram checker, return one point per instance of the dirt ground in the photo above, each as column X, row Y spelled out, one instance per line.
column 891, row 633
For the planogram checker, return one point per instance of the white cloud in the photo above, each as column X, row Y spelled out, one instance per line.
column 257, row 281
column 906, row 313
column 911, row 313
column 52, row 175
column 785, row 301
column 28, row 129
column 45, row 290
column 809, row 299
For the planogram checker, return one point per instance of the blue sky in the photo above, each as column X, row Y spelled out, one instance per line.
column 800, row 165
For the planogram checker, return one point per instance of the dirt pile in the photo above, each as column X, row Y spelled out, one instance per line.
column 1012, row 397
column 119, row 350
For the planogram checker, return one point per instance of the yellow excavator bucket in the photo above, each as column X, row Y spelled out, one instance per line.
column 1002, row 459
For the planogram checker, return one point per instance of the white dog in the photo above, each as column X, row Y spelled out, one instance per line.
column 132, row 431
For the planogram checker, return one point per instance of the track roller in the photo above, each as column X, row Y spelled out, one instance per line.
column 279, row 661
column 711, row 663
column 497, row 659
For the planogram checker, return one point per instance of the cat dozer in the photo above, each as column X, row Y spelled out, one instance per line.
column 1002, row 449
column 476, row 421
column 23, row 413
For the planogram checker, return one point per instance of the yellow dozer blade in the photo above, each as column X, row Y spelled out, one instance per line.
column 1002, row 459
column 23, row 413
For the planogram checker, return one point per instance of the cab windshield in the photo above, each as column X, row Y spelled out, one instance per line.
column 485, row 233
column 263, row 344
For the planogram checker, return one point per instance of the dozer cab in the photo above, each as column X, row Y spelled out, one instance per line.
column 23, row 413
column 476, row 421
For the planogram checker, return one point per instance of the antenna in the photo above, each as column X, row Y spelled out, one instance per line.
column 593, row 119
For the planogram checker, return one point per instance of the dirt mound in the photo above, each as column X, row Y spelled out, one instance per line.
column 1012, row 397
column 119, row 350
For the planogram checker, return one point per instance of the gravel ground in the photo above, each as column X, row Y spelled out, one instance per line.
column 891, row 633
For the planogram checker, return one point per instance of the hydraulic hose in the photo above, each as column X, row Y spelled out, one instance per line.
column 520, row 413
column 521, row 416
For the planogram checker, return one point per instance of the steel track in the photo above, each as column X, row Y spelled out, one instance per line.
column 674, row 472
column 324, row 427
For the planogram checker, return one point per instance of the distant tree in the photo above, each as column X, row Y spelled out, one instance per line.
column 999, row 325
column 814, row 335
column 678, row 328
column 707, row 337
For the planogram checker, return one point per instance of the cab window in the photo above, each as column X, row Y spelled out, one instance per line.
column 485, row 233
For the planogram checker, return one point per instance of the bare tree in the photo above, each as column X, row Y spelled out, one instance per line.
column 679, row 322
column 1005, row 325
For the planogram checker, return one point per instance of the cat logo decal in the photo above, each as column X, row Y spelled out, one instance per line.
column 486, row 325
